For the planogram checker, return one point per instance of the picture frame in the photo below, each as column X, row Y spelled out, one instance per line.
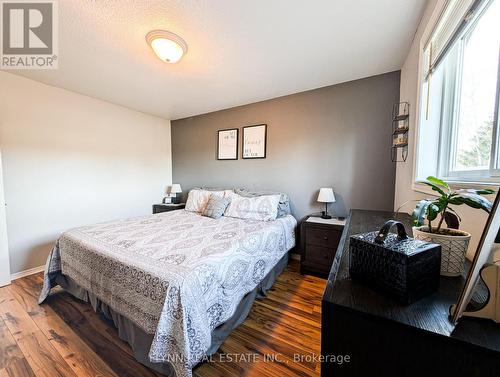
column 483, row 254
column 227, row 144
column 254, row 143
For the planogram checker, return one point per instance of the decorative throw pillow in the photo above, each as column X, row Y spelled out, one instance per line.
column 216, row 206
column 227, row 192
column 263, row 208
column 283, row 206
column 198, row 199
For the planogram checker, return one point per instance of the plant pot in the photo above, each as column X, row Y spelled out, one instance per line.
column 454, row 244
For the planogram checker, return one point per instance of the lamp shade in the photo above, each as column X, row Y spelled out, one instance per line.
column 326, row 195
column 176, row 188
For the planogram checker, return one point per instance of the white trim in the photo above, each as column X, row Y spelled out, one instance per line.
column 470, row 179
column 428, row 29
column 418, row 186
column 4, row 243
column 28, row 272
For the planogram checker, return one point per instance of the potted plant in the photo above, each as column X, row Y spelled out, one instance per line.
column 454, row 242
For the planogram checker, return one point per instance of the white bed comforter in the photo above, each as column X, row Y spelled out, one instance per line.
column 177, row 275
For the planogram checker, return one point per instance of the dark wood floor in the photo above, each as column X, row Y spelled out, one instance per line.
column 65, row 337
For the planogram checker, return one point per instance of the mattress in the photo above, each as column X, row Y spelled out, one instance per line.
column 177, row 275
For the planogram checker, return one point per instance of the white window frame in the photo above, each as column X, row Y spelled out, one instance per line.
column 481, row 178
column 446, row 166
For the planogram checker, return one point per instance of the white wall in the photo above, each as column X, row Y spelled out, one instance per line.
column 473, row 220
column 70, row 160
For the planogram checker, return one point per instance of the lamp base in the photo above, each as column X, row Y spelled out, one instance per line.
column 325, row 215
column 176, row 199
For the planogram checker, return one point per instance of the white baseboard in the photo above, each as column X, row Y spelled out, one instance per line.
column 29, row 271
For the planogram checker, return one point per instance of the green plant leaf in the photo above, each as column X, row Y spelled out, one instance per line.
column 470, row 198
column 478, row 192
column 420, row 212
column 432, row 211
column 452, row 220
column 455, row 212
column 457, row 200
column 438, row 182
column 435, row 188
column 442, row 202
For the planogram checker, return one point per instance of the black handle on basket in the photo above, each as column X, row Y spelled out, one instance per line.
column 382, row 234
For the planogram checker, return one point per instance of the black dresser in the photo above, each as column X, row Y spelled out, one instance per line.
column 384, row 338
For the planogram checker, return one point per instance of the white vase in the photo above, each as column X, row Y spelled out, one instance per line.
column 454, row 244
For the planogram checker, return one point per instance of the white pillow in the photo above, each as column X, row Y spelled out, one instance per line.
column 263, row 208
column 228, row 193
column 198, row 199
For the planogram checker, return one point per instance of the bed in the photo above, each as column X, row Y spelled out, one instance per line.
column 175, row 284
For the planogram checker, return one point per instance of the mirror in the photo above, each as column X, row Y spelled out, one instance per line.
column 491, row 233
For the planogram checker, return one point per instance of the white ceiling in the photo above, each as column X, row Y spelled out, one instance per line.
column 240, row 51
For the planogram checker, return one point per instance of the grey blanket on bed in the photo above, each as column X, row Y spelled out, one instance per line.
column 177, row 275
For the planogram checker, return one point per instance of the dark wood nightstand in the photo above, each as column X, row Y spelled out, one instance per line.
column 319, row 239
column 157, row 208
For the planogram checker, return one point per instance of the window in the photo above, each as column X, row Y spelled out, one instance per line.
column 458, row 127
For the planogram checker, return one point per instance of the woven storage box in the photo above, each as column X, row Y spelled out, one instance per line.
column 404, row 268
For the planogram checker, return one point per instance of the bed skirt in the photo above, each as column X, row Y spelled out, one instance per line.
column 140, row 341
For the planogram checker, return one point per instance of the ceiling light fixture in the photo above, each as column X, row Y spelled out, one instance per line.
column 168, row 46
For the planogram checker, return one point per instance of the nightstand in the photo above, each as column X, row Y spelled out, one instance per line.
column 319, row 239
column 157, row 208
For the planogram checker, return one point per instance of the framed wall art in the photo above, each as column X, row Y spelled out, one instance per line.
column 254, row 141
column 227, row 144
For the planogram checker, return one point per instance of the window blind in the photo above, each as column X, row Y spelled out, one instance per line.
column 455, row 16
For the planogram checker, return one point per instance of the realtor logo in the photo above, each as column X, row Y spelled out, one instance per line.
column 29, row 34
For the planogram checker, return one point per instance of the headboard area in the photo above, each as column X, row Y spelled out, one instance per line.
column 284, row 207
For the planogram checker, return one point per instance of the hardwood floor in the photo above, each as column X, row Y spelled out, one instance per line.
column 65, row 337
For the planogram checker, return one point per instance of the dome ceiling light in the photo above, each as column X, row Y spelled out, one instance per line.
column 169, row 47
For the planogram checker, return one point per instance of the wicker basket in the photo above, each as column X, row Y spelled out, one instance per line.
column 453, row 248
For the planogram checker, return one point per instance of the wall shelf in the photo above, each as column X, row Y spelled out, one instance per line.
column 400, row 129
column 401, row 145
column 401, row 117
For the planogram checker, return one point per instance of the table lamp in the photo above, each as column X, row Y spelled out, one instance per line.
column 326, row 196
column 175, row 189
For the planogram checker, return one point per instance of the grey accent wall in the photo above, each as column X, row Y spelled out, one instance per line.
column 338, row 136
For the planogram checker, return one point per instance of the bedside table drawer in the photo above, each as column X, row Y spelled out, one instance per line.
column 158, row 208
column 322, row 237
column 322, row 256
